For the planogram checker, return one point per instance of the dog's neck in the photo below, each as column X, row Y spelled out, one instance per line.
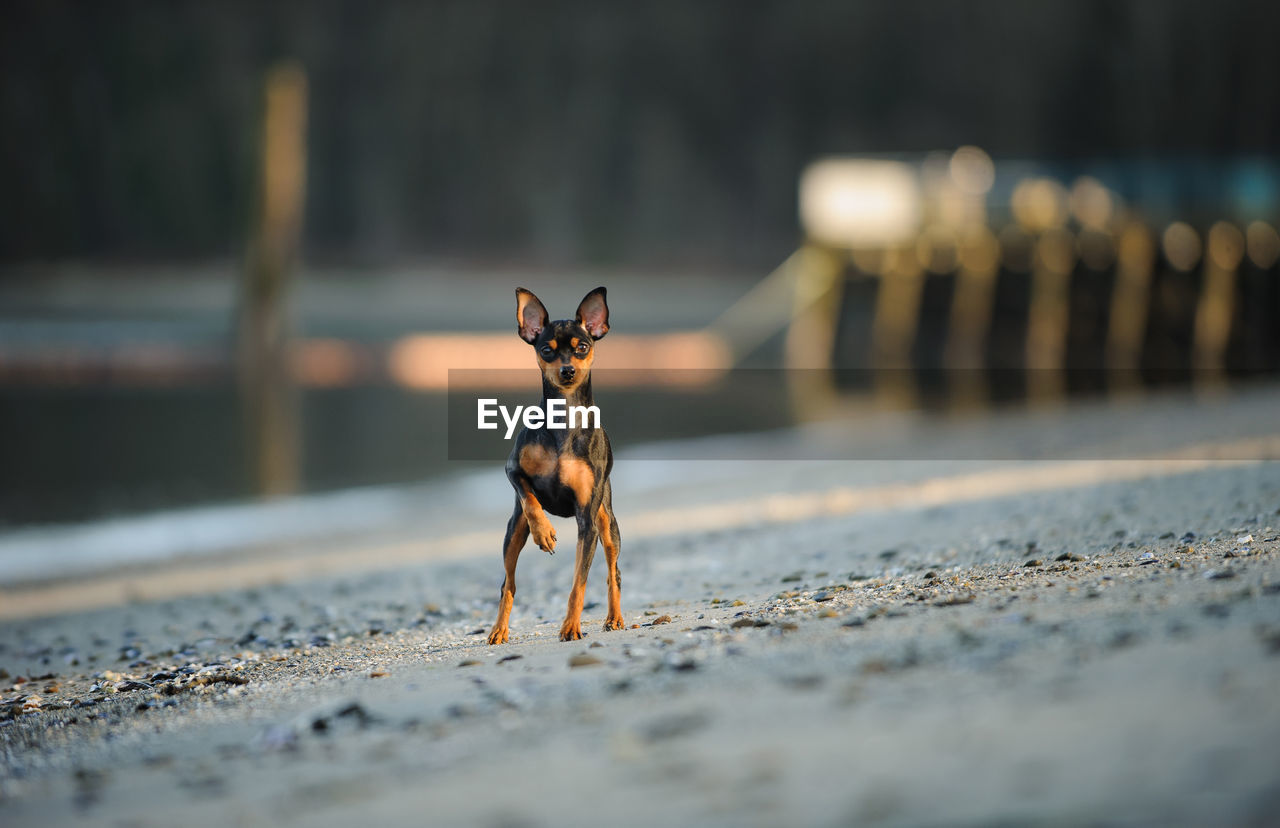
column 580, row 395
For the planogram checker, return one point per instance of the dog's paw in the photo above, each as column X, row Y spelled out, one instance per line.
column 614, row 622
column 544, row 535
column 571, row 630
column 499, row 635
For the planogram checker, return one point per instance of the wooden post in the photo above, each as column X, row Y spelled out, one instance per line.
column 893, row 329
column 970, row 320
column 1223, row 253
column 263, row 347
column 809, row 345
column 1127, row 326
column 1054, row 260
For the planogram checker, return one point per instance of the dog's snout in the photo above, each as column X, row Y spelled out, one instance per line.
column 567, row 372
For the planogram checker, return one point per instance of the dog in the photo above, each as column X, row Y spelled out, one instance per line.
column 562, row 471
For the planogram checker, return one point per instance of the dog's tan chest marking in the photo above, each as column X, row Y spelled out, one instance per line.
column 536, row 461
column 577, row 475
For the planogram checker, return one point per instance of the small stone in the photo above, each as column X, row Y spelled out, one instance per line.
column 822, row 596
column 661, row 619
column 1123, row 638
column 1219, row 574
column 673, row 725
column 679, row 663
column 512, row 657
column 379, row 674
column 749, row 622
column 584, row 660
column 1034, row 562
column 1243, row 539
column 469, row 662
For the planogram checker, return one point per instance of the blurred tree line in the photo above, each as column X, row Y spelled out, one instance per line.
column 589, row 132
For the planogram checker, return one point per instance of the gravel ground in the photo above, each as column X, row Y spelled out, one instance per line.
column 1103, row 654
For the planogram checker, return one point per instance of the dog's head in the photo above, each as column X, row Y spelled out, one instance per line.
column 565, row 348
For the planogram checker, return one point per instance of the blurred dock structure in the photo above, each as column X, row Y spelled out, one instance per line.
column 952, row 269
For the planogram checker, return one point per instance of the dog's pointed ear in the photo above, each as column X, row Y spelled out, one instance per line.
column 593, row 313
column 531, row 316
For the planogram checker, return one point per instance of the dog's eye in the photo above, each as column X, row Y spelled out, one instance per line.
column 583, row 348
column 547, row 353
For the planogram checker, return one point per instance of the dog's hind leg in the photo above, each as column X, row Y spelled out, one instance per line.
column 517, row 534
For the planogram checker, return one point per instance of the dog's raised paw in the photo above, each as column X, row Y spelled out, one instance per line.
column 499, row 636
column 544, row 535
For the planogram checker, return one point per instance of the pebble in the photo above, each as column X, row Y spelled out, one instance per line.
column 583, row 660
column 676, row 724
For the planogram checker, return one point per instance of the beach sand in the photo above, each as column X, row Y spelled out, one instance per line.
column 1061, row 648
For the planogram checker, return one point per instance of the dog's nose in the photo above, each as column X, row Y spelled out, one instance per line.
column 567, row 372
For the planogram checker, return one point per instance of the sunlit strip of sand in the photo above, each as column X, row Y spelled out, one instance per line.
column 191, row 578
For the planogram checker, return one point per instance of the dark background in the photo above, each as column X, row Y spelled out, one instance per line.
column 595, row 133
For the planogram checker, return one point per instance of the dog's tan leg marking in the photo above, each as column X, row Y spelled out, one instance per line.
column 614, row 620
column 519, row 534
column 571, row 629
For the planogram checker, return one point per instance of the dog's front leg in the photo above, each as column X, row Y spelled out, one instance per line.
column 571, row 629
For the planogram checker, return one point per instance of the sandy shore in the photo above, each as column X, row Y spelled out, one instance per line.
column 1102, row 649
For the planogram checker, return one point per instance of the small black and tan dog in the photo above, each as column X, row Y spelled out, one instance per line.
column 562, row 471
